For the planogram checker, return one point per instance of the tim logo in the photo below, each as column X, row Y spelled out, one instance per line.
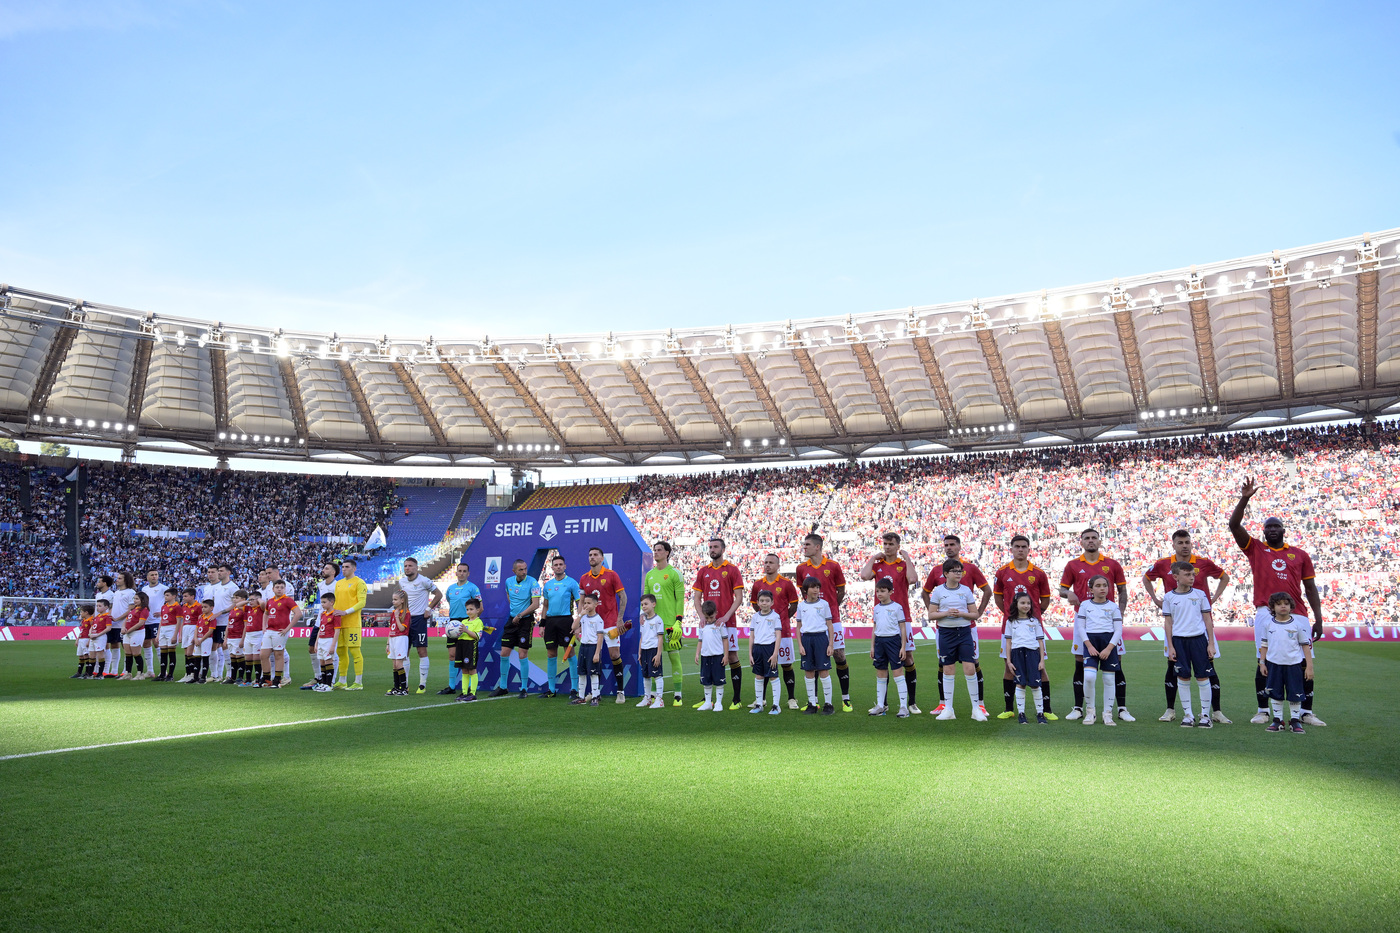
column 548, row 531
column 573, row 526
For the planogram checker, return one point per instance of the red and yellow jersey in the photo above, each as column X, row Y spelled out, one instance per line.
column 605, row 585
column 204, row 628
column 898, row 574
column 1010, row 583
column 237, row 620
column 171, row 613
column 1206, row 570
column 972, row 578
column 785, row 598
column 398, row 622
column 253, row 621
column 1279, row 570
column 84, row 628
column 718, row 585
column 329, row 623
column 278, row 614
column 829, row 574
column 1081, row 570
column 101, row 622
column 190, row 613
column 136, row 619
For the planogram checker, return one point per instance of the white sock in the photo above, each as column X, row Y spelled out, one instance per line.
column 359, row 678
column 948, row 681
column 882, row 687
column 286, row 663
column 1203, row 686
column 1110, row 692
column 1091, row 677
column 777, row 692
column 1183, row 690
column 1276, row 708
column 719, row 695
column 1295, row 711
column 150, row 659
column 758, row 686
column 710, row 695
column 972, row 689
column 1039, row 700
column 811, row 690
column 902, row 689
column 423, row 672
column 1020, row 699
column 826, row 688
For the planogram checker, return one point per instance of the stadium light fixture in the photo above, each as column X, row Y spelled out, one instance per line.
column 36, row 418
column 49, row 418
column 223, row 435
column 130, row 428
column 1161, row 414
column 765, row 442
column 106, row 425
column 91, row 423
column 748, row 442
column 301, row 440
column 62, row 420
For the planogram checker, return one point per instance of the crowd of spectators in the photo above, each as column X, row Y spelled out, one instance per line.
column 33, row 555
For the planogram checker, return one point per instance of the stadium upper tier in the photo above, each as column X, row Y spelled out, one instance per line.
column 1311, row 328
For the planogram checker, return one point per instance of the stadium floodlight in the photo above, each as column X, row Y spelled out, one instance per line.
column 62, row 420
column 106, row 425
column 1143, row 415
column 728, row 443
column 223, row 435
column 782, row 442
column 765, row 442
column 130, row 427
column 1010, row 425
column 91, row 423
column 1161, row 414
column 49, row 418
column 500, row 447
column 748, row 442
column 36, row 417
column 1214, row 408
column 243, row 437
column 301, row 440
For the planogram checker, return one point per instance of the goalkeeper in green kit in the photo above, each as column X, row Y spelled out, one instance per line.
column 663, row 582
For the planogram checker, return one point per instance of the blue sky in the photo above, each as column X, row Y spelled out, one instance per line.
column 523, row 168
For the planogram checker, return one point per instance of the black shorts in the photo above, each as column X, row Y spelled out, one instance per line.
column 1192, row 653
column 1025, row 664
column 152, row 629
column 1285, row 682
column 761, row 661
column 586, row 664
column 814, row 656
column 1100, row 641
column 646, row 660
column 712, row 670
column 114, row 637
column 957, row 643
column 558, row 631
column 417, row 631
column 219, row 631
column 885, row 652
column 519, row 635
column 467, row 650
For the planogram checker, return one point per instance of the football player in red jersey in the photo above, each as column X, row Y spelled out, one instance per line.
column 893, row 563
column 171, row 614
column 721, row 583
column 833, row 580
column 606, row 585
column 1276, row 567
column 281, row 614
column 785, row 599
column 974, row 580
column 1014, row 578
column 233, row 637
column 1074, row 587
column 1206, row 570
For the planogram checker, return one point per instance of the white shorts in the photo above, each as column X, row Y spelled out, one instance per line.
column 785, row 651
column 839, row 642
column 909, row 642
column 167, row 636
column 733, row 635
column 83, row 647
column 325, row 649
column 187, row 636
column 204, row 648
column 277, row 641
column 234, row 646
column 398, row 647
column 252, row 642
column 612, row 642
column 135, row 639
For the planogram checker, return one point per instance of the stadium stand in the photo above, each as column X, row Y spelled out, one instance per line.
column 422, row 517
column 559, row 497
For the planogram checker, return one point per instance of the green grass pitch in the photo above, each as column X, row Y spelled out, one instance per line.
column 525, row 815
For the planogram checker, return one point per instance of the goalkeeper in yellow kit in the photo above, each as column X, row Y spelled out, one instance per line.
column 665, row 584
column 350, row 596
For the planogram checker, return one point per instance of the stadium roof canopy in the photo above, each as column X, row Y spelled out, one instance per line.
column 1310, row 330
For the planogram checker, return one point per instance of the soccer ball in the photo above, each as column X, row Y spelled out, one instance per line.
column 454, row 628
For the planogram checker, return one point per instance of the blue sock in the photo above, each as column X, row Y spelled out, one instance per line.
column 552, row 666
column 524, row 673
column 454, row 677
column 573, row 673
column 503, row 678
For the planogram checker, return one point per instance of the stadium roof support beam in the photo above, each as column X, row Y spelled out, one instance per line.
column 293, row 390
column 814, row 381
column 218, row 377
column 1127, row 340
column 473, row 400
column 357, row 392
column 994, row 363
column 513, row 379
column 877, row 385
column 639, row 385
column 1368, row 290
column 1205, row 340
column 53, row 361
column 1281, row 309
column 140, row 369
column 935, row 378
column 702, row 392
column 411, row 387
column 579, row 386
column 761, row 390
column 1059, row 352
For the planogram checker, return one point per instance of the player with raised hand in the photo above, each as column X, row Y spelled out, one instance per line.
column 1020, row 577
column 815, row 565
column 721, row 583
column 785, row 598
column 1074, row 587
column 1276, row 567
column 1206, row 570
column 606, row 586
column 894, row 564
column 665, row 585
column 973, row 579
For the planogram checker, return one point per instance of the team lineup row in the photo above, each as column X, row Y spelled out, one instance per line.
column 583, row 617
